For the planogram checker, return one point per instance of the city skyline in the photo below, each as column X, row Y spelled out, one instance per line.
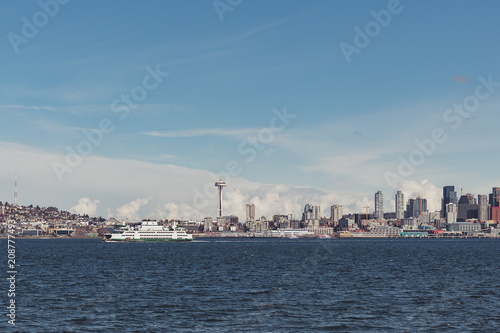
column 416, row 205
column 126, row 118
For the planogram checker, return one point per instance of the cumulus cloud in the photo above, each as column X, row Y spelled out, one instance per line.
column 130, row 210
column 174, row 210
column 119, row 182
column 85, row 206
column 270, row 199
column 425, row 189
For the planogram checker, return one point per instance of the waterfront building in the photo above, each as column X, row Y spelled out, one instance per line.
column 281, row 221
column 410, row 223
column 449, row 196
column 225, row 222
column 379, row 205
column 465, row 227
column 346, row 223
column 207, row 224
column 400, row 206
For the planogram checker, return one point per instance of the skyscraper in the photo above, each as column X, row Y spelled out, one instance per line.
column 316, row 212
column 379, row 205
column 420, row 206
column 336, row 214
column 482, row 208
column 400, row 205
column 311, row 214
column 451, row 213
column 410, row 208
column 449, row 196
column 467, row 208
column 495, row 197
column 306, row 215
column 250, row 212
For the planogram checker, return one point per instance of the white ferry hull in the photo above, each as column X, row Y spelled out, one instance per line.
column 148, row 231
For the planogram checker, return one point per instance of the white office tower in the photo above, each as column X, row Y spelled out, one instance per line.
column 451, row 213
column 316, row 212
column 250, row 212
column 336, row 214
column 379, row 205
column 400, row 205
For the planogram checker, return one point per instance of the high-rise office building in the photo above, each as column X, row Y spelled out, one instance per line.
column 250, row 212
column 316, row 212
column 451, row 213
column 410, row 208
column 494, row 204
column 420, row 206
column 311, row 214
column 495, row 197
column 400, row 205
column 483, row 212
column 336, row 214
column 449, row 196
column 467, row 208
column 416, row 207
column 306, row 215
column 379, row 205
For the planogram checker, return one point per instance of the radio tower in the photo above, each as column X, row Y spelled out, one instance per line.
column 15, row 191
column 220, row 184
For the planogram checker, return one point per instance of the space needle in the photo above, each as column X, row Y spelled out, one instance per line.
column 220, row 184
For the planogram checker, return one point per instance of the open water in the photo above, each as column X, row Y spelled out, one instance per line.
column 257, row 285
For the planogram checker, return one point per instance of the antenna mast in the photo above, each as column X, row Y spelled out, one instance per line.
column 15, row 191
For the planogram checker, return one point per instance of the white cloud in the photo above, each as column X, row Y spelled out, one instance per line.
column 163, row 157
column 238, row 132
column 130, row 211
column 174, row 210
column 168, row 190
column 85, row 206
column 28, row 107
column 425, row 189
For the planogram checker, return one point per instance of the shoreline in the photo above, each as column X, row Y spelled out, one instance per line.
column 249, row 237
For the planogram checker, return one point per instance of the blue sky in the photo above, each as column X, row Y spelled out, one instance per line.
column 351, row 120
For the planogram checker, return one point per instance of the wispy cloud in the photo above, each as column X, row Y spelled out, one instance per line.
column 163, row 157
column 28, row 107
column 189, row 133
column 264, row 27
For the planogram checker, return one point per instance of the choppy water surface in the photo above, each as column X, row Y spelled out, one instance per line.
column 254, row 285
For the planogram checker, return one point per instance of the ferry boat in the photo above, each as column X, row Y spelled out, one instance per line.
column 148, row 231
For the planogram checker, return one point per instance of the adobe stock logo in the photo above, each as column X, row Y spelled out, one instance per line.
column 452, row 117
column 30, row 28
column 372, row 29
column 119, row 106
column 221, row 7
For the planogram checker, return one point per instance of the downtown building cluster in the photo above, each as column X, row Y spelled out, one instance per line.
column 464, row 215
